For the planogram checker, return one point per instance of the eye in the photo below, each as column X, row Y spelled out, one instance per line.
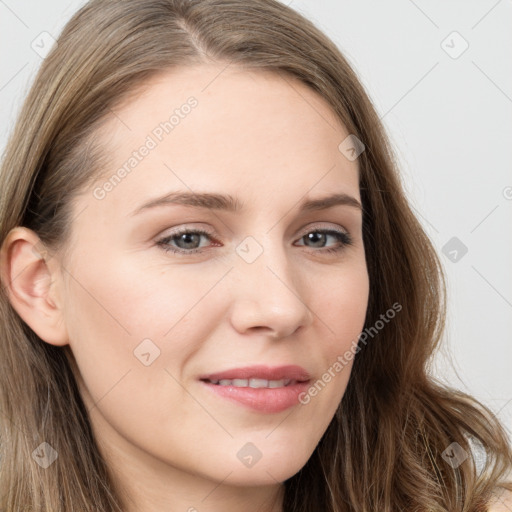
column 319, row 236
column 187, row 240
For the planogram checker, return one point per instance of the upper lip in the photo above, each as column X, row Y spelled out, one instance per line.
column 292, row 372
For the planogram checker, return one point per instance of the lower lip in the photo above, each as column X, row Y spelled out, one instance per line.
column 268, row 400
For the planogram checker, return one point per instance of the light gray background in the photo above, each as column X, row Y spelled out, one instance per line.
column 450, row 122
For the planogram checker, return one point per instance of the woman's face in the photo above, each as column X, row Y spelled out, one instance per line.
column 146, row 324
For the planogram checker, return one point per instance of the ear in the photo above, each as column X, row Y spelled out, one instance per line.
column 33, row 281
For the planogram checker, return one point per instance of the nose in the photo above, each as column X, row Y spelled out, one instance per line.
column 269, row 296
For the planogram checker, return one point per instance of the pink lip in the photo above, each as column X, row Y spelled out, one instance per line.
column 292, row 372
column 268, row 400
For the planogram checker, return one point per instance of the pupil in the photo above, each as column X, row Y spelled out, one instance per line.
column 312, row 237
column 186, row 238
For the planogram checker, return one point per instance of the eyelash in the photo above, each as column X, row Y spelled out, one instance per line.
column 342, row 237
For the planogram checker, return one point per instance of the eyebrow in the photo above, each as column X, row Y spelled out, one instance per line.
column 231, row 204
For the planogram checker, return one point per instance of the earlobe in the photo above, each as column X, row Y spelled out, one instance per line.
column 32, row 284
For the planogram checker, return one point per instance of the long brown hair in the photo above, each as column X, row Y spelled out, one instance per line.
column 384, row 449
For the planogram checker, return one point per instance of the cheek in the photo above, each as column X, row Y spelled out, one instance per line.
column 342, row 302
column 132, row 331
column 115, row 307
column 339, row 301
column 136, row 300
column 343, row 309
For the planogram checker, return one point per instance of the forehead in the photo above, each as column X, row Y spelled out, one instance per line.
column 257, row 131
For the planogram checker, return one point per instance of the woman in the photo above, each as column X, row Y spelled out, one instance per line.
column 215, row 294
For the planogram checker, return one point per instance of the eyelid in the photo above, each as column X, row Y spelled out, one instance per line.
column 321, row 226
column 185, row 228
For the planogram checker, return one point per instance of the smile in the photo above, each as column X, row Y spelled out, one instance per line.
column 253, row 383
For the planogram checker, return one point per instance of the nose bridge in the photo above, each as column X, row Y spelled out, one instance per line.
column 268, row 293
column 266, row 261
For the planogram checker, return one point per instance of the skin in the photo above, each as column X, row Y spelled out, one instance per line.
column 271, row 143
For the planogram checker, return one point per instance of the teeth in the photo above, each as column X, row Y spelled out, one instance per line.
column 253, row 383
column 260, row 383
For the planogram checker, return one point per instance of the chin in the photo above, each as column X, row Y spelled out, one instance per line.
column 277, row 466
column 261, row 476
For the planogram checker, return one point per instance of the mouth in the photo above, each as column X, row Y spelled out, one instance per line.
column 258, row 376
column 260, row 388
column 254, row 383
